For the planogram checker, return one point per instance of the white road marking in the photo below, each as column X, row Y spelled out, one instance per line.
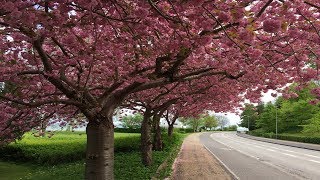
column 314, row 161
column 249, row 155
column 289, row 155
column 270, row 150
column 276, row 148
column 262, row 147
column 223, row 164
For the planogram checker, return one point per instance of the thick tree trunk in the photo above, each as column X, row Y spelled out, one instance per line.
column 146, row 143
column 170, row 130
column 157, row 141
column 100, row 152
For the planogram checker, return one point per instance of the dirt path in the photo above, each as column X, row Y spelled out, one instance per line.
column 195, row 162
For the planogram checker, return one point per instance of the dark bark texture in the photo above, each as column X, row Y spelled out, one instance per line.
column 170, row 130
column 157, row 140
column 146, row 142
column 100, row 152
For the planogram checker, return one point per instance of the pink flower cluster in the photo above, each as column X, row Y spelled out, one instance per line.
column 272, row 25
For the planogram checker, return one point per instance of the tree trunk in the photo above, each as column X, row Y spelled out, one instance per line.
column 146, row 143
column 42, row 132
column 170, row 130
column 157, row 141
column 100, row 151
column 43, row 128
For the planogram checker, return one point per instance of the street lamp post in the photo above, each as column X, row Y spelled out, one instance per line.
column 276, row 122
column 248, row 123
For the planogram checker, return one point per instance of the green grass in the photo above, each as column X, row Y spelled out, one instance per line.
column 62, row 147
column 58, row 157
column 9, row 170
column 301, row 134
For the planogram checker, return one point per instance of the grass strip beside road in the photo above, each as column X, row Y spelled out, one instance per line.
column 296, row 137
column 127, row 157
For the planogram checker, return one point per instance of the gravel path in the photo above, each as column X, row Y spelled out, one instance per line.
column 195, row 162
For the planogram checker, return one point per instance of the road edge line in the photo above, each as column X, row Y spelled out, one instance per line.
column 234, row 176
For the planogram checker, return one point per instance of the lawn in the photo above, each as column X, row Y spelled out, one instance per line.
column 62, row 157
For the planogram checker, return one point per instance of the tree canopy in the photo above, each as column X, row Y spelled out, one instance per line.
column 68, row 57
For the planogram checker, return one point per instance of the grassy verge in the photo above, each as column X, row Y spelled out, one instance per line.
column 41, row 158
column 9, row 171
column 296, row 136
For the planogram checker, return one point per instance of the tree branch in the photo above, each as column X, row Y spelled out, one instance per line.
column 41, row 103
column 221, row 28
column 313, row 5
column 161, row 13
column 264, row 8
column 37, row 44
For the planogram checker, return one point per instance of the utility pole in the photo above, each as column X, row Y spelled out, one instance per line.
column 248, row 123
column 276, row 122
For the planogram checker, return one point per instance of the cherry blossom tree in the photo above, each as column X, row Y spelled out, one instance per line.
column 154, row 103
column 65, row 57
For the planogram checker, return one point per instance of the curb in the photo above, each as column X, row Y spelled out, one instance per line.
column 224, row 166
column 314, row 147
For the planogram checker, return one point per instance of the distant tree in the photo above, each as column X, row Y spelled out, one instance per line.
column 249, row 116
column 193, row 122
column 260, row 108
column 314, row 126
column 132, row 121
column 295, row 114
column 232, row 128
column 223, row 121
column 210, row 122
column 267, row 120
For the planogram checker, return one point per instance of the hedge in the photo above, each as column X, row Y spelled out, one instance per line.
column 127, row 130
column 297, row 138
column 183, row 130
column 61, row 148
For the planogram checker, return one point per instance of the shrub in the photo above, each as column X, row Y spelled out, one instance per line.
column 127, row 164
column 288, row 137
column 127, row 130
column 183, row 130
column 62, row 147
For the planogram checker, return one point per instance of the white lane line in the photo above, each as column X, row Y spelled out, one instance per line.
column 270, row 149
column 233, row 139
column 314, row 161
column 289, row 155
column 228, row 145
column 235, row 142
column 223, row 164
column 257, row 158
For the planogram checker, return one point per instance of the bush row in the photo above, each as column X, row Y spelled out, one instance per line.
column 127, row 165
column 67, row 147
column 163, row 129
column 127, row 130
column 61, row 149
column 297, row 138
column 183, row 130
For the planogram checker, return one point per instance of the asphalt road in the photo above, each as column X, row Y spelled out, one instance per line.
column 249, row 159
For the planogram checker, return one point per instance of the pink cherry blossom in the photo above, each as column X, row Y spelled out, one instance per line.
column 271, row 25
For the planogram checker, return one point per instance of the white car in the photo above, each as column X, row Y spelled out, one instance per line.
column 242, row 130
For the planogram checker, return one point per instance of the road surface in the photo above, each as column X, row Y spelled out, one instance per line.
column 249, row 159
